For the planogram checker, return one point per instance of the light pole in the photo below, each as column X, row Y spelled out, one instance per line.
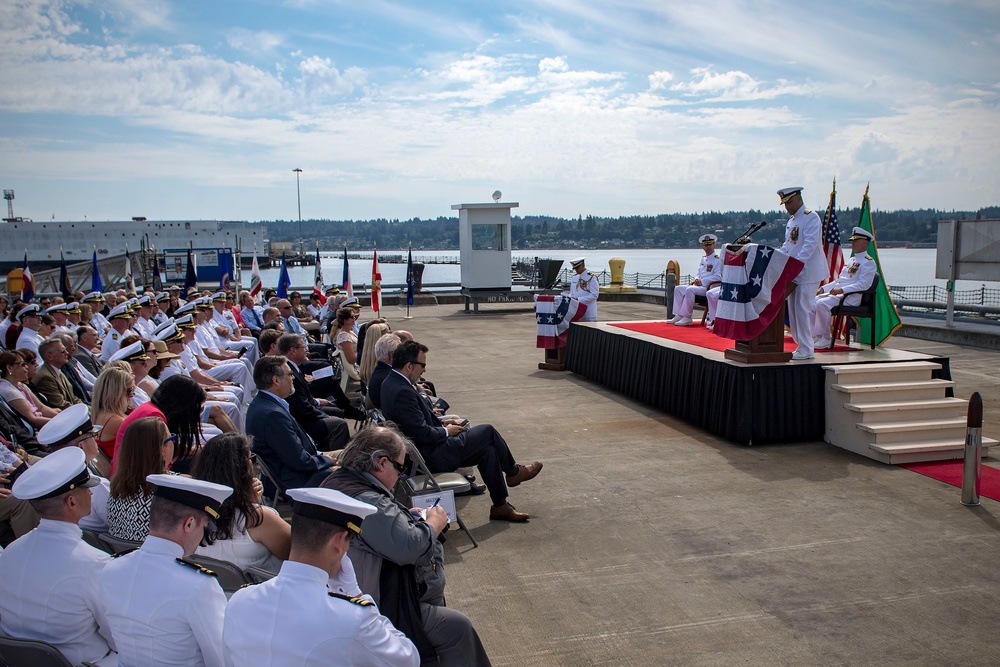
column 298, row 195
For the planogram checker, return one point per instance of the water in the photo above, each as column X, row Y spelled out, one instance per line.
column 900, row 266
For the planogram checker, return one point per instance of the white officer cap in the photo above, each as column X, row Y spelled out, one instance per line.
column 219, row 296
column 95, row 297
column 578, row 261
column 707, row 239
column 786, row 193
column 186, row 308
column 162, row 325
column 205, row 496
column 859, row 233
column 145, row 300
column 331, row 506
column 162, row 296
column 134, row 352
column 350, row 302
column 119, row 312
column 73, row 308
column 58, row 473
column 66, row 426
column 58, row 308
column 31, row 310
column 170, row 334
column 186, row 322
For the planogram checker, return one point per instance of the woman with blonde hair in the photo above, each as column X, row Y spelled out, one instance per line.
column 373, row 331
column 109, row 404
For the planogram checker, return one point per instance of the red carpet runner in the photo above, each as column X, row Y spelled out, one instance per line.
column 950, row 472
column 699, row 335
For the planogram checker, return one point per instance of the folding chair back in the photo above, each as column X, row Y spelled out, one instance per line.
column 230, row 576
column 864, row 310
column 256, row 575
column 93, row 538
column 421, row 480
column 116, row 545
column 272, row 488
column 24, row 652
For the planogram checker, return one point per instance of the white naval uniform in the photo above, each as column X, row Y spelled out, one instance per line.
column 234, row 370
column 228, row 320
column 29, row 339
column 709, row 271
column 144, row 327
column 712, row 297
column 208, row 339
column 100, row 324
column 804, row 242
column 4, row 325
column 854, row 277
column 294, row 619
column 162, row 611
column 97, row 520
column 112, row 343
column 49, row 591
column 584, row 288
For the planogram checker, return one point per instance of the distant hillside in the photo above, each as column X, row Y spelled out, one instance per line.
column 669, row 230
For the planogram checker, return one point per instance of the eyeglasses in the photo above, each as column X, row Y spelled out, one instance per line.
column 131, row 391
column 400, row 468
column 286, row 307
column 420, row 363
column 253, row 458
column 172, row 439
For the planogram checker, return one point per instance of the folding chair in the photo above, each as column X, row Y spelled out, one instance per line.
column 256, row 574
column 421, row 480
column 230, row 575
column 269, row 477
column 36, row 653
column 116, row 545
column 348, row 373
column 375, row 415
column 93, row 538
column 864, row 310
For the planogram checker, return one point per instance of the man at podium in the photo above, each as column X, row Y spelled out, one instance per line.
column 804, row 242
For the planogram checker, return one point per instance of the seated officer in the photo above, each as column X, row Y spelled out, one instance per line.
column 163, row 609
column 295, row 619
column 854, row 277
column 709, row 273
column 49, row 588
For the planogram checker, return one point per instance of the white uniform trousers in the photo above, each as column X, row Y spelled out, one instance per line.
column 821, row 317
column 684, row 298
column 712, row 296
column 800, row 308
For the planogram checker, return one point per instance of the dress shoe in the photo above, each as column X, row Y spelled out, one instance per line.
column 709, row 324
column 821, row 342
column 474, row 490
column 524, row 473
column 506, row 512
column 683, row 322
column 800, row 356
column 673, row 319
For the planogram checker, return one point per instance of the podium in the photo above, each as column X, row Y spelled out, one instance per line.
column 769, row 345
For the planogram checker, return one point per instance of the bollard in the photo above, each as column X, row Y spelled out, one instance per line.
column 973, row 447
column 668, row 297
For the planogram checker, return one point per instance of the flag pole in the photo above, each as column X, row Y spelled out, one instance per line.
column 409, row 279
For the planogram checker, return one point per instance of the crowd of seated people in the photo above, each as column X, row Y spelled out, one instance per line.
column 172, row 420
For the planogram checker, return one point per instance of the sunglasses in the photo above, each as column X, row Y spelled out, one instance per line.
column 400, row 468
column 173, row 438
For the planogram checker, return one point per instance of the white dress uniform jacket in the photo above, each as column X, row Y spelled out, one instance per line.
column 49, row 591
column 28, row 339
column 112, row 343
column 294, row 619
column 584, row 288
column 804, row 242
column 854, row 277
column 162, row 611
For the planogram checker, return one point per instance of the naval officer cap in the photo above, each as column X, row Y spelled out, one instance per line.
column 134, row 352
column 93, row 297
column 162, row 297
column 185, row 309
column 330, row 506
column 200, row 495
column 787, row 193
column 185, row 322
column 70, row 424
column 119, row 312
column 577, row 262
column 219, row 296
column 204, row 303
column 858, row 233
column 73, row 308
column 145, row 300
column 31, row 310
column 170, row 334
column 58, row 308
column 162, row 325
column 60, row 472
column 708, row 239
column 350, row 302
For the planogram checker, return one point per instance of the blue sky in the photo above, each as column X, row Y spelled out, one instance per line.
column 172, row 110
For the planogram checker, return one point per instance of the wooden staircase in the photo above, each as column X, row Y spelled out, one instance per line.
column 895, row 413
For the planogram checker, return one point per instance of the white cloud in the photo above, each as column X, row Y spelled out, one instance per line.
column 254, row 41
column 734, row 85
column 659, row 80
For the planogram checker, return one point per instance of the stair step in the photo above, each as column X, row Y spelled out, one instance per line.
column 910, row 427
column 917, row 389
column 928, row 446
column 930, row 409
column 902, row 432
column 873, row 373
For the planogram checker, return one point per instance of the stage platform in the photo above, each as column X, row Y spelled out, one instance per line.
column 748, row 404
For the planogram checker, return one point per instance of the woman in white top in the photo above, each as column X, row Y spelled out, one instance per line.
column 14, row 371
column 246, row 533
column 343, row 335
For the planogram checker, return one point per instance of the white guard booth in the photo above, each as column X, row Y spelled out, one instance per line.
column 484, row 250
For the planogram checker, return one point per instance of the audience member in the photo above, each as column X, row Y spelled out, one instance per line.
column 246, row 533
column 252, row 315
column 320, row 418
column 14, row 371
column 373, row 331
column 112, row 392
column 178, row 402
column 28, row 336
column 306, row 622
column 147, row 448
column 17, row 518
column 162, row 609
column 384, row 347
column 52, row 384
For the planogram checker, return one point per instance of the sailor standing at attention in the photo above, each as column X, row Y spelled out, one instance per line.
column 804, row 242
column 709, row 274
column 584, row 288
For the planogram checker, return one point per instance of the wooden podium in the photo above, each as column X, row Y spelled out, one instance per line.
column 769, row 346
column 555, row 360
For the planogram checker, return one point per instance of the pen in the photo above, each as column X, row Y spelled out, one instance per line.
column 436, row 501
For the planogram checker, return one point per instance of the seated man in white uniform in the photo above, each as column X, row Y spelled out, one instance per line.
column 144, row 324
column 194, row 356
column 857, row 276
column 709, row 274
column 212, row 349
column 58, row 313
column 163, row 609
column 196, row 367
column 229, row 333
column 119, row 318
column 295, row 618
column 49, row 588
column 28, row 338
column 99, row 323
column 583, row 287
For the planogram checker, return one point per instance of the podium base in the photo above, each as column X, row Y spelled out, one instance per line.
column 747, row 356
column 555, row 360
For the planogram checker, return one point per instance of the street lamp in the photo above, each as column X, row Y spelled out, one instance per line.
column 298, row 195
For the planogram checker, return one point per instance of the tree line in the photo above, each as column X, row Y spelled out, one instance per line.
column 667, row 230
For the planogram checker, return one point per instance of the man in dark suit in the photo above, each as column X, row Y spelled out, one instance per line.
column 446, row 444
column 320, row 418
column 86, row 341
column 279, row 441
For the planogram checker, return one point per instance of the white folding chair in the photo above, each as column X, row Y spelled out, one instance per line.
column 421, row 480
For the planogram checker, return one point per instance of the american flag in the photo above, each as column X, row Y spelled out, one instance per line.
column 553, row 313
column 831, row 238
column 753, row 289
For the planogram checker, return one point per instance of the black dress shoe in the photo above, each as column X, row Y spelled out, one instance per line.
column 474, row 490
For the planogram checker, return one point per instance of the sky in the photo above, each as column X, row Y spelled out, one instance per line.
column 175, row 109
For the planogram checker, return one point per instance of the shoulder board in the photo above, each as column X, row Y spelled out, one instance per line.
column 358, row 601
column 114, row 336
column 195, row 566
column 123, row 553
column 249, row 584
column 869, row 257
column 807, row 211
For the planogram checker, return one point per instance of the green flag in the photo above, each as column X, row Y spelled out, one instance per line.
column 887, row 320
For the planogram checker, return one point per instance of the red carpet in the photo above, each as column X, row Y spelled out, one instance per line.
column 950, row 472
column 698, row 335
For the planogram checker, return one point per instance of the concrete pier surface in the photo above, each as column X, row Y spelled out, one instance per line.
column 654, row 543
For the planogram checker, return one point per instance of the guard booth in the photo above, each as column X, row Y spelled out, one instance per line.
column 484, row 250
